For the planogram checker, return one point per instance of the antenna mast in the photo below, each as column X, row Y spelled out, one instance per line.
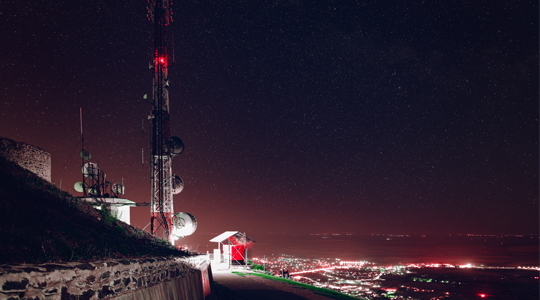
column 161, row 211
column 83, row 156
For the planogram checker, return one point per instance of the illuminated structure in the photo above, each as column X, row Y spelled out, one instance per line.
column 164, row 147
column 236, row 247
column 94, row 187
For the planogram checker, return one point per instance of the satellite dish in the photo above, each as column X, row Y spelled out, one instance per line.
column 184, row 224
column 79, row 186
column 90, row 169
column 85, row 154
column 177, row 146
column 118, row 188
column 177, row 184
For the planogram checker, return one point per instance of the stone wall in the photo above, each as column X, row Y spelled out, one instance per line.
column 141, row 278
column 30, row 157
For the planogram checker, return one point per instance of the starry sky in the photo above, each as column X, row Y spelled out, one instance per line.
column 297, row 116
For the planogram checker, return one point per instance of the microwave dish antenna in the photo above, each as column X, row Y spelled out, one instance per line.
column 177, row 146
column 90, row 169
column 184, row 224
column 85, row 154
column 118, row 188
column 79, row 186
column 177, row 184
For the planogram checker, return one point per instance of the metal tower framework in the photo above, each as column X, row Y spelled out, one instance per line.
column 159, row 12
column 93, row 179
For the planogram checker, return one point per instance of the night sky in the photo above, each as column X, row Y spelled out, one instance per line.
column 297, row 116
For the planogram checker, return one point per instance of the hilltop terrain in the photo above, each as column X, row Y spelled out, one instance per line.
column 40, row 223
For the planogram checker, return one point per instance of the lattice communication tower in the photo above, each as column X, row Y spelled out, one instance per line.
column 164, row 146
column 159, row 12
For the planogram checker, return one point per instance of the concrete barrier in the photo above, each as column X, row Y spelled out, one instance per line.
column 178, row 278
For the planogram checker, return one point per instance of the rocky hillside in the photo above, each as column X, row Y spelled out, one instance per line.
column 40, row 223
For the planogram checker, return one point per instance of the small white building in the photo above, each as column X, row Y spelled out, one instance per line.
column 234, row 248
column 120, row 207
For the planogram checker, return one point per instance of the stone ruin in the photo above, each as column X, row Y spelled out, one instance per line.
column 32, row 158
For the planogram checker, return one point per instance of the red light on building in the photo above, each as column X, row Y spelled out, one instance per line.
column 482, row 295
column 237, row 252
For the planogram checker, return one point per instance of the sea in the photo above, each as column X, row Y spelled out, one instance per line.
column 493, row 251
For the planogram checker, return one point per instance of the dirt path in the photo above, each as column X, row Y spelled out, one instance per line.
column 254, row 287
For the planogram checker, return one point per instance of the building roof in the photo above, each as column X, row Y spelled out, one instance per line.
column 227, row 234
column 114, row 201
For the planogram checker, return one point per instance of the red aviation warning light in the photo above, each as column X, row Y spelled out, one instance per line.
column 161, row 60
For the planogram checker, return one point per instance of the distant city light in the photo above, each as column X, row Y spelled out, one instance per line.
column 365, row 279
column 314, row 270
